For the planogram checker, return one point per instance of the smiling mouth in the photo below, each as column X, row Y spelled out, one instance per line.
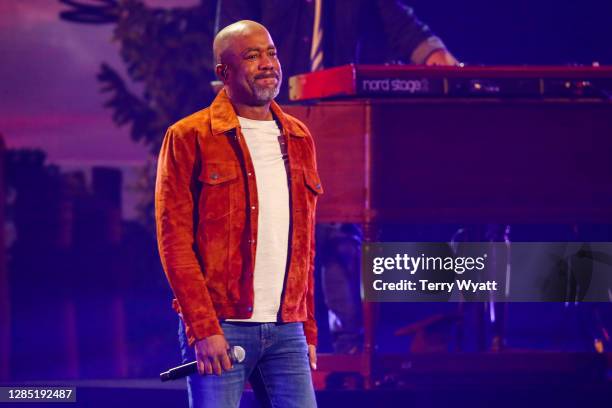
column 267, row 81
column 266, row 78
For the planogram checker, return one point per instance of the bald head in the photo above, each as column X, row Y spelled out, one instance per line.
column 226, row 38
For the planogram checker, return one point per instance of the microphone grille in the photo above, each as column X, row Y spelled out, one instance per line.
column 238, row 354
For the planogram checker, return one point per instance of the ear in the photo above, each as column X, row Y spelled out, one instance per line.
column 221, row 71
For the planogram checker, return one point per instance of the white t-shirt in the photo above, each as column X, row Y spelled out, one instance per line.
column 269, row 156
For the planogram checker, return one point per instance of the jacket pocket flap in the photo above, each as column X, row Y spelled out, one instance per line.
column 311, row 177
column 218, row 173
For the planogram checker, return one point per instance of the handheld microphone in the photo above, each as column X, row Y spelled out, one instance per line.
column 236, row 355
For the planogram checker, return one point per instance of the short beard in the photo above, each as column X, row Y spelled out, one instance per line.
column 264, row 94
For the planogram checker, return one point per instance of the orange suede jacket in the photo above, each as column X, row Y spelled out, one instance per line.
column 206, row 212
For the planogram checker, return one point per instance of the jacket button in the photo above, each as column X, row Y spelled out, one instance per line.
column 250, row 308
column 318, row 186
column 252, row 207
column 214, row 176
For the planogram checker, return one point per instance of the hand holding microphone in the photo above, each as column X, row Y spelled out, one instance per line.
column 212, row 355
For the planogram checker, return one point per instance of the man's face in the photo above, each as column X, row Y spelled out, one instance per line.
column 254, row 73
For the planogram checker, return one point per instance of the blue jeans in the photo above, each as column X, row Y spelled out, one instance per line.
column 276, row 365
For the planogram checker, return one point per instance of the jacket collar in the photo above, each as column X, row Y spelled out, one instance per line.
column 223, row 118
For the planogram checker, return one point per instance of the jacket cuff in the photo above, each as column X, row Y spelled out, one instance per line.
column 310, row 331
column 425, row 48
column 202, row 329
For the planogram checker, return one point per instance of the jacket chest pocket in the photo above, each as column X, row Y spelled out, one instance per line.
column 311, row 190
column 220, row 184
column 312, row 181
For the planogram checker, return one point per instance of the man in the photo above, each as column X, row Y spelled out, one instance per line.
column 236, row 191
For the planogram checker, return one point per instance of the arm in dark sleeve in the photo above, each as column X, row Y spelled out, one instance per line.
column 174, row 215
column 409, row 38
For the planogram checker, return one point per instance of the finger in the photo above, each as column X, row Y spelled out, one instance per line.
column 201, row 367
column 208, row 367
column 225, row 362
column 216, row 366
